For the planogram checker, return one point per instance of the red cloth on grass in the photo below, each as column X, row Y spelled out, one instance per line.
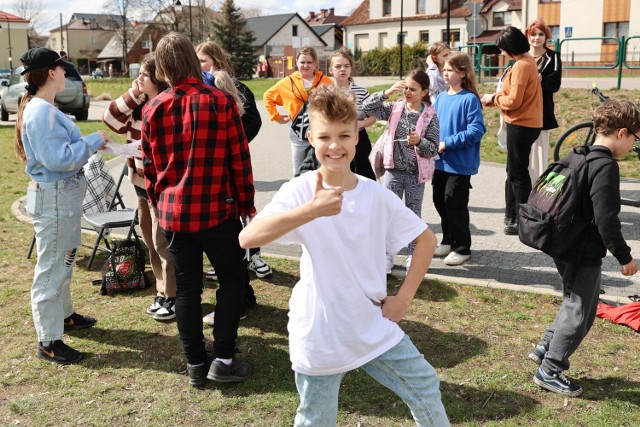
column 628, row 314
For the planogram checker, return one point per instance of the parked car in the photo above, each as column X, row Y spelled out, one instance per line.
column 73, row 100
column 5, row 73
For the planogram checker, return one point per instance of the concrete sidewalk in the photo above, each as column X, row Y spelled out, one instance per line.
column 497, row 260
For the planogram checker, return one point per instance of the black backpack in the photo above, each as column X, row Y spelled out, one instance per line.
column 552, row 219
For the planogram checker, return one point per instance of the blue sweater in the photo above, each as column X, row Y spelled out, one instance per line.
column 54, row 147
column 461, row 129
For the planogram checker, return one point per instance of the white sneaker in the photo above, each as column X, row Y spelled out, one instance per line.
column 442, row 251
column 208, row 319
column 407, row 263
column 454, row 258
column 389, row 263
column 257, row 265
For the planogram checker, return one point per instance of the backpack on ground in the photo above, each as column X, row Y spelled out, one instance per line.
column 124, row 269
column 552, row 220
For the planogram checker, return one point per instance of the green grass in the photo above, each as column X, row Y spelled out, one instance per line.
column 134, row 373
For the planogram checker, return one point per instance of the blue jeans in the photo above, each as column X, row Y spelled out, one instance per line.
column 222, row 247
column 56, row 208
column 402, row 369
column 298, row 150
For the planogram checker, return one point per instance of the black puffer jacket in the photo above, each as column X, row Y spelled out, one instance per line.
column 551, row 79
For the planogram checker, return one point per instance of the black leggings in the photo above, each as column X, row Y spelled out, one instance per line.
column 518, row 184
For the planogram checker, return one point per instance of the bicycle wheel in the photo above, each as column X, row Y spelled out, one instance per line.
column 580, row 134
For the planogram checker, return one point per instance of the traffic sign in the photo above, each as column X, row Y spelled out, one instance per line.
column 568, row 32
column 475, row 27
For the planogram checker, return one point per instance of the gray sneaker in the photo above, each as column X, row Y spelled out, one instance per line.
column 234, row 373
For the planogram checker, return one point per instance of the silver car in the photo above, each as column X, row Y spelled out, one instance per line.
column 73, row 100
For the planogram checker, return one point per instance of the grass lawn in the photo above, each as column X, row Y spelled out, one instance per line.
column 134, row 371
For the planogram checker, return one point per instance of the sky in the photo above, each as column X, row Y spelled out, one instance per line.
column 53, row 8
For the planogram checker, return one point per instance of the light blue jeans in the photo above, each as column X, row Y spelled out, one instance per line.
column 298, row 150
column 402, row 369
column 56, row 208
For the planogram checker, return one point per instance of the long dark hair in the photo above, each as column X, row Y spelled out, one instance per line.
column 35, row 80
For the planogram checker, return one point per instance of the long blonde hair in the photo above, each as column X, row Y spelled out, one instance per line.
column 225, row 82
column 218, row 57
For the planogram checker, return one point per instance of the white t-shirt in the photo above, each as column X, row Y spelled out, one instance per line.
column 334, row 324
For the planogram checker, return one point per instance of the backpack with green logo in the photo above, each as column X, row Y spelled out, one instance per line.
column 552, row 219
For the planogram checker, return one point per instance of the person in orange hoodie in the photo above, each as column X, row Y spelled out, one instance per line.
column 292, row 93
column 520, row 100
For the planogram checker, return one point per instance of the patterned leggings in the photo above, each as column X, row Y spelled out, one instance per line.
column 406, row 183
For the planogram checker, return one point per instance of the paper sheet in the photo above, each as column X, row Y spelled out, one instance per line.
column 129, row 150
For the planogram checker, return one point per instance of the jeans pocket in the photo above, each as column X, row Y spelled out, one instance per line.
column 35, row 200
column 70, row 184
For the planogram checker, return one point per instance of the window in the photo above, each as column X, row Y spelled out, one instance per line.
column 424, row 37
column 146, row 44
column 294, row 30
column 93, row 40
column 555, row 33
column 501, row 19
column 616, row 29
column 382, row 40
column 386, row 7
column 421, row 7
column 454, row 37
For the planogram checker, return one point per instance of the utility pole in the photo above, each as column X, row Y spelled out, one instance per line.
column 401, row 35
column 61, row 35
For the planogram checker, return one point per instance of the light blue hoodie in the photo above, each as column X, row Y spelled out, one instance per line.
column 54, row 147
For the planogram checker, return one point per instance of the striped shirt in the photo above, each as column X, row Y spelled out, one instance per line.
column 361, row 95
column 196, row 158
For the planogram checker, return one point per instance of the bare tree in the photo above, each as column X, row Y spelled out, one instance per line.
column 121, row 9
column 251, row 12
column 31, row 10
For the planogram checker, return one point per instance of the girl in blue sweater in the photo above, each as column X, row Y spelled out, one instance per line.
column 461, row 130
column 53, row 151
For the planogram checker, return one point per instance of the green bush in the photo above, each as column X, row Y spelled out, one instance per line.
column 386, row 62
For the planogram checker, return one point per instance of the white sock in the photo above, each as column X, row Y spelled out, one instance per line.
column 225, row 361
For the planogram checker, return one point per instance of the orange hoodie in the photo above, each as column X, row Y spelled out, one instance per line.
column 521, row 97
column 284, row 94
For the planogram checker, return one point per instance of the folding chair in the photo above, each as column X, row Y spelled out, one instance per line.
column 118, row 218
column 113, row 219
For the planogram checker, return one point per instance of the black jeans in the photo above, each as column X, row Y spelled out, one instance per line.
column 360, row 163
column 227, row 257
column 451, row 199
column 518, row 184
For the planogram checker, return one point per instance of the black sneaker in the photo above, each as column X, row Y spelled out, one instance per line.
column 557, row 383
column 167, row 311
column 78, row 321
column 198, row 373
column 511, row 227
column 58, row 352
column 158, row 301
column 538, row 353
column 223, row 373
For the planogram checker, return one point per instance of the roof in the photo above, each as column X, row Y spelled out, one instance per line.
column 458, row 10
column 321, row 29
column 7, row 17
column 113, row 49
column 265, row 27
column 325, row 16
column 487, row 36
column 82, row 21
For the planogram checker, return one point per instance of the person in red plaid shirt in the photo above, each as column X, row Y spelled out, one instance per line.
column 198, row 175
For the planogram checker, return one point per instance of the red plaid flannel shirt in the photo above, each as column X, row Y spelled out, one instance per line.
column 196, row 158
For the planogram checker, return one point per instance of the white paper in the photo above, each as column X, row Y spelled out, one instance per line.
column 129, row 150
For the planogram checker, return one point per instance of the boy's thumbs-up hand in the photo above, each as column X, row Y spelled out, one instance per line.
column 326, row 201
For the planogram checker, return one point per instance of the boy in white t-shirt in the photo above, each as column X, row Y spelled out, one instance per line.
column 340, row 316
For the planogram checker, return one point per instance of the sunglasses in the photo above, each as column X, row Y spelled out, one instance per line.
column 636, row 142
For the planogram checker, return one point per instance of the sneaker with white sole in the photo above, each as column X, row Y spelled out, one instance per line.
column 157, row 305
column 557, row 383
column 209, row 318
column 538, row 353
column 454, row 258
column 258, row 266
column 389, row 263
column 407, row 263
column 167, row 311
column 211, row 274
column 442, row 251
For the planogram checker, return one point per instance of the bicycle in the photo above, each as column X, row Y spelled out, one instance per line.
column 577, row 135
column 583, row 134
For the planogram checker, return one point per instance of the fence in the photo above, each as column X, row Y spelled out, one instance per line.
column 583, row 53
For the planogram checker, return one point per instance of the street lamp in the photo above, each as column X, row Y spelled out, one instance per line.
column 9, row 36
column 179, row 10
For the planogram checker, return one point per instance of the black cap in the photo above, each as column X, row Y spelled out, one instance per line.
column 42, row 57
